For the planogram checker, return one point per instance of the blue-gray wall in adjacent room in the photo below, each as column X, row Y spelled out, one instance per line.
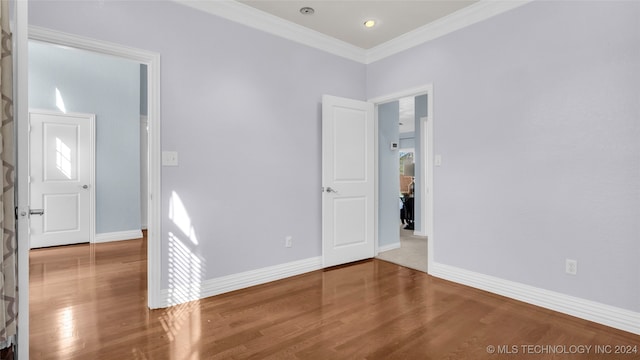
column 110, row 88
column 407, row 140
column 407, row 143
column 389, row 174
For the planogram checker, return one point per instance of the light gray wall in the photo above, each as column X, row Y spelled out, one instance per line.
column 109, row 88
column 389, row 174
column 536, row 118
column 221, row 79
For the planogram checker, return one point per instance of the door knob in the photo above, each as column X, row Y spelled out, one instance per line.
column 36, row 211
column 85, row 186
column 331, row 190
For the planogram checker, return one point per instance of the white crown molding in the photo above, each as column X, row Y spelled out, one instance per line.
column 462, row 18
column 195, row 291
column 257, row 19
column 585, row 309
column 260, row 20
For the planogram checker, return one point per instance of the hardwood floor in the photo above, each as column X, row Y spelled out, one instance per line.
column 89, row 302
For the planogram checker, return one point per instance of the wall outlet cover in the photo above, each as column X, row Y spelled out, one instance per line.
column 169, row 158
column 571, row 266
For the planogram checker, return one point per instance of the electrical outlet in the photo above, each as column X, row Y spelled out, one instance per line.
column 571, row 267
column 169, row 158
column 288, row 241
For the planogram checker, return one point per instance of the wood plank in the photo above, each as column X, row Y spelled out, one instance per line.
column 89, row 302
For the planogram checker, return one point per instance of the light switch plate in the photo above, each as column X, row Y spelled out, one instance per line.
column 169, row 158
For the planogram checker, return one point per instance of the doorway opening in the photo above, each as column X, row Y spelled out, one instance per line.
column 405, row 177
column 142, row 57
column 151, row 102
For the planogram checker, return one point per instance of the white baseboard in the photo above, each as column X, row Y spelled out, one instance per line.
column 217, row 286
column 419, row 233
column 389, row 247
column 117, row 236
column 585, row 309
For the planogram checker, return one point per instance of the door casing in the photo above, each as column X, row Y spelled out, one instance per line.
column 425, row 136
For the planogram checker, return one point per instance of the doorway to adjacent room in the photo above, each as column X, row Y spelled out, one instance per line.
column 405, row 178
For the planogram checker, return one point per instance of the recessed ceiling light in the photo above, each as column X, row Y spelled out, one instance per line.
column 370, row 23
column 307, row 10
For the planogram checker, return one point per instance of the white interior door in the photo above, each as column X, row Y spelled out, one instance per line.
column 348, row 159
column 61, row 168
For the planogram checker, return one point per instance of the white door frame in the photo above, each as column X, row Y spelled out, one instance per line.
column 152, row 60
column 425, row 136
column 24, row 32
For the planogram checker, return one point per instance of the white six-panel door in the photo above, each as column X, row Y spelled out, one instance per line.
column 61, row 158
column 348, row 180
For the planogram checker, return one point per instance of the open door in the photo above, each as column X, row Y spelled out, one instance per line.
column 348, row 158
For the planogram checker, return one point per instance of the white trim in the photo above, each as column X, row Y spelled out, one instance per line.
column 224, row 284
column 388, row 247
column 417, row 91
column 263, row 21
column 21, row 110
column 152, row 60
column 429, row 201
column 585, row 309
column 118, row 236
column 462, row 18
column 376, row 176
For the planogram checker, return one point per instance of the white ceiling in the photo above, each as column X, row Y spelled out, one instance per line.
column 344, row 20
